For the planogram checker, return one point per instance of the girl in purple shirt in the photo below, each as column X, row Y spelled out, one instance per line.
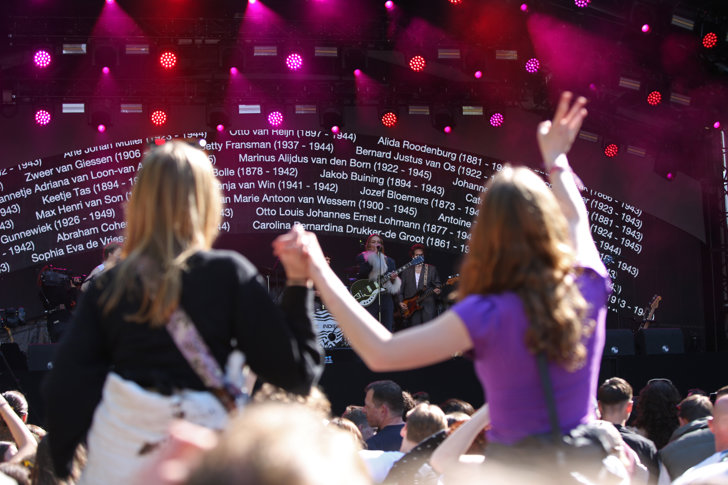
column 532, row 283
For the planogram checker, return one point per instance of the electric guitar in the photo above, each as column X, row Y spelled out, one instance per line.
column 650, row 317
column 365, row 291
column 415, row 303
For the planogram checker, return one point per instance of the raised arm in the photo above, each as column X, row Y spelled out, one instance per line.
column 447, row 455
column 381, row 350
column 21, row 434
column 555, row 139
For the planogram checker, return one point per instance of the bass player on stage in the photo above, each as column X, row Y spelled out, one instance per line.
column 420, row 287
column 373, row 263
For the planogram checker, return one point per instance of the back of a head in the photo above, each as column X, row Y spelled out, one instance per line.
column 315, row 400
column 657, row 410
column 356, row 415
column 17, row 401
column 281, row 444
column 389, row 393
column 613, row 391
column 423, row 421
column 454, row 405
column 695, row 407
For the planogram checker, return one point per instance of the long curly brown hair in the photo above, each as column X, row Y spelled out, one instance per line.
column 520, row 243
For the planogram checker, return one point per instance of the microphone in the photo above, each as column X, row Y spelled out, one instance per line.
column 379, row 249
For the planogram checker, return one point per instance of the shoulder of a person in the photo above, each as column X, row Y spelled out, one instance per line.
column 222, row 259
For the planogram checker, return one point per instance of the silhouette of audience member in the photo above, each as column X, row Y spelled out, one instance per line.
column 713, row 469
column 384, row 404
column 656, row 415
column 358, row 416
column 693, row 441
column 281, row 444
column 614, row 398
column 454, row 405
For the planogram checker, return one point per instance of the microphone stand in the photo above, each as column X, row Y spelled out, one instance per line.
column 379, row 281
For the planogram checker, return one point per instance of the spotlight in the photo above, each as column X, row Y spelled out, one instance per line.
column 294, row 61
column 532, row 65
column 105, row 69
column 670, row 175
column 168, row 59
column 710, row 40
column 42, row 59
column 389, row 4
column 456, row 2
column 645, row 28
column 42, row 117
column 335, row 129
column 496, row 119
column 417, row 63
column 389, row 119
column 217, row 116
column 234, row 71
column 447, row 129
column 331, row 117
column 611, row 150
column 442, row 118
column 654, row 98
column 478, row 74
column 582, row 3
column 716, row 125
column 275, row 118
column 99, row 117
column 357, row 72
column 101, row 128
column 524, row 7
column 220, row 127
column 158, row 117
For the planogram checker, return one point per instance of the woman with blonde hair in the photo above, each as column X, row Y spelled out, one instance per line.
column 532, row 283
column 119, row 365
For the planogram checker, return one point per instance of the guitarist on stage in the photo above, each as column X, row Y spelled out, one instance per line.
column 416, row 282
column 372, row 263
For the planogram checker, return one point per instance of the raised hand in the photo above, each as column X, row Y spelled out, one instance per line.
column 297, row 250
column 556, row 137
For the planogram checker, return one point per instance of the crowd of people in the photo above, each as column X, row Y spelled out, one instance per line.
column 180, row 368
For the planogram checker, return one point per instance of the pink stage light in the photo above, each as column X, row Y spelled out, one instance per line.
column 524, row 7
column 716, row 125
column 335, row 129
column 654, row 98
column 645, row 28
column 105, row 69
column 357, row 72
column 670, row 175
column 251, row 1
column 168, row 59
column 275, row 118
column 417, row 63
column 42, row 117
column 710, row 40
column 582, row 3
column 158, row 117
column 109, row 1
column 496, row 119
column 532, row 65
column 234, row 71
column 294, row 61
column 389, row 4
column 42, row 58
column 447, row 129
column 101, row 128
column 389, row 119
column 478, row 74
column 611, row 150
column 220, row 127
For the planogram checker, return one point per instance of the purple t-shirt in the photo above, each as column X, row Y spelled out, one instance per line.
column 509, row 373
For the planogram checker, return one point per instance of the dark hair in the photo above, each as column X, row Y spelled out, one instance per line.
column 720, row 392
column 17, row 401
column 389, row 393
column 110, row 248
column 657, row 410
column 356, row 415
column 416, row 247
column 614, row 391
column 454, row 405
column 695, row 407
column 17, row 472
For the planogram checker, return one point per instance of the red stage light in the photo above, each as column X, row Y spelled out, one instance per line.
column 532, row 65
column 294, row 61
column 389, row 119
column 582, row 3
column 456, row 2
column 709, row 40
column 168, row 59
column 159, row 141
column 275, row 118
column 42, row 59
column 654, row 98
column 417, row 63
column 496, row 119
column 158, row 117
column 611, row 150
column 42, row 117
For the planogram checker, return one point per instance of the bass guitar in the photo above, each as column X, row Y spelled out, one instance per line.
column 365, row 291
column 651, row 308
column 415, row 303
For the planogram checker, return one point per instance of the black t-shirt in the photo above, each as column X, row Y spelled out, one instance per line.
column 222, row 294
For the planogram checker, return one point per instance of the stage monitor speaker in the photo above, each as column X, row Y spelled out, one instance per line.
column 618, row 343
column 40, row 356
column 14, row 356
column 656, row 341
